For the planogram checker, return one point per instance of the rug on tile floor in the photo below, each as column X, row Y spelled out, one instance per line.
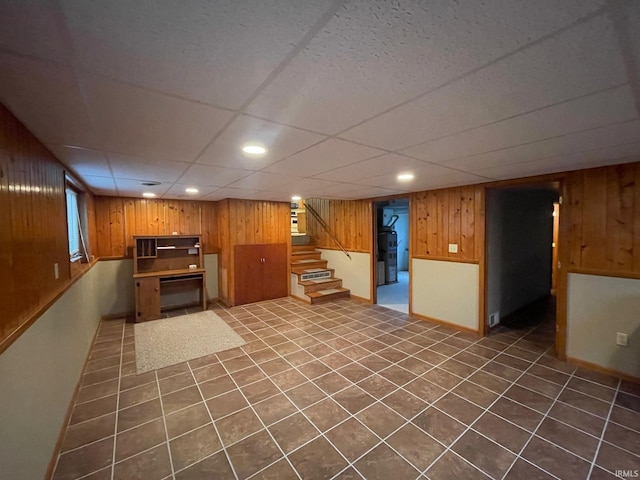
column 165, row 342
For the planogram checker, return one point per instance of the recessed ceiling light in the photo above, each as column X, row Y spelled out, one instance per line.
column 254, row 149
column 295, row 198
column 191, row 190
column 405, row 177
column 149, row 194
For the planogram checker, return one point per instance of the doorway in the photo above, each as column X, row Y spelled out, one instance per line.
column 391, row 273
column 521, row 263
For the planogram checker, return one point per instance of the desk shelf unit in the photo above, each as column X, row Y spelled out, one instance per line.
column 163, row 265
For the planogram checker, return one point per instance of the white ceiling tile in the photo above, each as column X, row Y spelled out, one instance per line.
column 390, row 180
column 608, row 136
column 583, row 60
column 222, row 193
column 46, row 98
column 142, row 169
column 452, row 180
column 135, row 121
column 177, row 191
column 303, row 187
column 99, row 185
column 389, row 164
column 212, row 175
column 263, row 181
column 376, row 54
column 82, row 161
column 607, row 156
column 281, row 141
column 217, row 52
column 132, row 188
column 325, row 156
column 32, row 28
column 611, row 106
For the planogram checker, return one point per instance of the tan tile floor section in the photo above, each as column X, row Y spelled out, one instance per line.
column 348, row 390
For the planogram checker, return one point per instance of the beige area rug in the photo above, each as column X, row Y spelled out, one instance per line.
column 165, row 342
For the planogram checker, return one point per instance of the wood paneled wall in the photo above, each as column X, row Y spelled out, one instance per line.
column 452, row 215
column 604, row 219
column 33, row 234
column 119, row 219
column 243, row 222
column 350, row 221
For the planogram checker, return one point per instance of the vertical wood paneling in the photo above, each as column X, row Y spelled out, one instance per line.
column 34, row 231
column 452, row 215
column 348, row 220
column 603, row 208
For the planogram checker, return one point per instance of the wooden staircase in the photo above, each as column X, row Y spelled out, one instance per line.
column 311, row 280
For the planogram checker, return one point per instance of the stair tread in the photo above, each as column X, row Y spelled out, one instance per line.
column 329, row 291
column 308, row 260
column 304, row 252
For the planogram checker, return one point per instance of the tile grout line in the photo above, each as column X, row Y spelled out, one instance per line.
column 115, row 428
column 604, row 430
column 206, row 405
column 164, row 424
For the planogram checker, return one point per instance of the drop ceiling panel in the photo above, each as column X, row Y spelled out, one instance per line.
column 328, row 155
column 177, row 191
column 44, row 96
column 263, row 181
column 83, row 161
column 390, row 164
column 132, row 188
column 419, row 171
column 222, row 193
column 599, row 157
column 453, row 180
column 142, row 169
column 138, row 122
column 374, row 55
column 31, row 28
column 227, row 47
column 583, row 60
column 281, row 141
column 608, row 136
column 211, row 175
column 100, row 185
column 304, row 187
column 611, row 106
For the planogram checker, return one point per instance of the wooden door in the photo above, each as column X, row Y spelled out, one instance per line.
column 275, row 271
column 147, row 299
column 248, row 274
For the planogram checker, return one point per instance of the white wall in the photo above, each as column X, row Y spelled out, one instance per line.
column 447, row 291
column 39, row 372
column 597, row 308
column 355, row 273
column 211, row 264
column 116, row 282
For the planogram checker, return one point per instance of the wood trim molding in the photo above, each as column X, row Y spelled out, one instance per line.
column 604, row 273
column 444, row 323
column 35, row 314
column 445, row 259
column 604, row 370
column 361, row 299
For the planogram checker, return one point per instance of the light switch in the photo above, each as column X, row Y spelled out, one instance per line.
column 453, row 248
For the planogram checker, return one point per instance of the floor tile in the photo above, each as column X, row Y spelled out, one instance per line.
column 194, row 446
column 383, row 463
column 452, row 467
column 154, row 463
column 415, row 446
column 274, row 409
column 214, row 466
column 88, row 432
column 380, row 419
column 500, row 431
column 237, row 426
column 458, row 408
column 442, row 427
column 353, row 399
column 326, row 414
column 575, row 441
column 317, row 460
column 555, row 460
column 488, row 456
column 84, row 460
column 292, row 432
column 522, row 469
column 140, row 438
column 187, row 419
column 352, row 439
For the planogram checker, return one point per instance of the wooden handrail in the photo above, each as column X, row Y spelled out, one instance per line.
column 322, row 223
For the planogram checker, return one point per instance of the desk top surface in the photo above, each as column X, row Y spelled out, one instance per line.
column 169, row 273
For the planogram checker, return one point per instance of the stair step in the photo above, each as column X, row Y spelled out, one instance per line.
column 302, row 265
column 321, row 284
column 303, row 247
column 328, row 295
column 314, row 274
column 305, row 255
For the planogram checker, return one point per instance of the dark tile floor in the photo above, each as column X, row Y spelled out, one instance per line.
column 348, row 390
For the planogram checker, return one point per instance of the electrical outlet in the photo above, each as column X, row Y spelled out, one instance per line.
column 622, row 339
column 453, row 248
column 56, row 271
column 494, row 319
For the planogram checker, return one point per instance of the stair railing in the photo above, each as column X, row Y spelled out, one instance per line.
column 323, row 224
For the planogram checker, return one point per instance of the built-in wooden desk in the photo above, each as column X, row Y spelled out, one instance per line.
column 161, row 266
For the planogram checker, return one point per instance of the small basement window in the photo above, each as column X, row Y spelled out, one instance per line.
column 75, row 223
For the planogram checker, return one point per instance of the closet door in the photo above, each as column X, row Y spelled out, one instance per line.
column 275, row 270
column 248, row 268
